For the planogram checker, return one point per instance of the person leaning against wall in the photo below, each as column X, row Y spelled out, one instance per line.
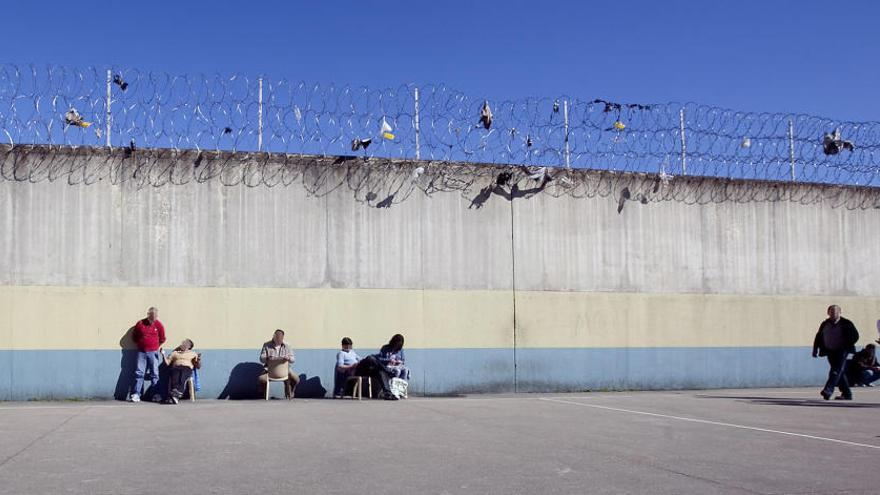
column 274, row 355
column 836, row 340
column 148, row 335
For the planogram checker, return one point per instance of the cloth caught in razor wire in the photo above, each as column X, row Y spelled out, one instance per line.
column 832, row 143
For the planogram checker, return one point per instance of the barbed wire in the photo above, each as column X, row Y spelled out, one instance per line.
column 381, row 182
column 123, row 107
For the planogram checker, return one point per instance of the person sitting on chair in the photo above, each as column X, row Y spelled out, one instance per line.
column 181, row 363
column 378, row 371
column 276, row 353
column 392, row 358
column 346, row 361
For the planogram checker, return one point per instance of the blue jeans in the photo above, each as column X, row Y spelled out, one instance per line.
column 870, row 376
column 145, row 359
column 339, row 379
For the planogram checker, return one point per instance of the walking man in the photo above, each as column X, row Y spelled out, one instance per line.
column 836, row 340
column 149, row 335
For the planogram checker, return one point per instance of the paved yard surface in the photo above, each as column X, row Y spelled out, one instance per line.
column 693, row 442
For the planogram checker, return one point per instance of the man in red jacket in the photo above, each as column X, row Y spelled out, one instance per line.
column 149, row 335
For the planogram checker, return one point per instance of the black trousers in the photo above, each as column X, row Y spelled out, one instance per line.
column 837, row 374
column 177, row 377
column 370, row 366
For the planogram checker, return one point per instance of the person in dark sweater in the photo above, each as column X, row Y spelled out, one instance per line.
column 836, row 340
column 380, row 367
column 863, row 370
column 148, row 335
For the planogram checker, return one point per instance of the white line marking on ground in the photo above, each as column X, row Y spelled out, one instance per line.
column 524, row 397
column 714, row 423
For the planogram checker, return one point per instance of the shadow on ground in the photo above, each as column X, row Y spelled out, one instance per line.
column 242, row 384
column 779, row 401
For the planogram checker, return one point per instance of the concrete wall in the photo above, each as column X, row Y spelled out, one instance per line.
column 532, row 294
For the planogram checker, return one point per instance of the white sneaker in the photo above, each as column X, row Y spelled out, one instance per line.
column 134, row 398
column 175, row 400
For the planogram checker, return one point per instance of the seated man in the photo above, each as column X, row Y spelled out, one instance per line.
column 181, row 363
column 346, row 361
column 276, row 353
column 864, row 368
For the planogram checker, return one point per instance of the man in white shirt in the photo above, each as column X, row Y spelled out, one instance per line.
column 277, row 353
column 346, row 361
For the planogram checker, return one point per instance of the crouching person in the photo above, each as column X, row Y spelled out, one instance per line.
column 277, row 355
column 181, row 363
column 863, row 369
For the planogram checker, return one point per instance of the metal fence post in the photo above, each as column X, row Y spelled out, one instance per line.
column 418, row 144
column 683, row 142
column 565, row 122
column 791, row 147
column 107, row 126
column 260, row 115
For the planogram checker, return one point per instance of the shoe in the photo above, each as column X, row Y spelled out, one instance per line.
column 869, row 384
column 156, row 398
column 175, row 400
column 841, row 397
column 389, row 396
column 825, row 395
column 134, row 398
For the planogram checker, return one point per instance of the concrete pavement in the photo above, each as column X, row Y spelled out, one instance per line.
column 693, row 442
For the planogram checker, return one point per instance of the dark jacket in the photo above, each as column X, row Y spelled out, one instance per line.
column 850, row 337
column 865, row 359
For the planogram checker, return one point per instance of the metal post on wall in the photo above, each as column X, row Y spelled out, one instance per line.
column 109, row 87
column 683, row 142
column 791, row 148
column 565, row 122
column 260, row 115
column 416, row 115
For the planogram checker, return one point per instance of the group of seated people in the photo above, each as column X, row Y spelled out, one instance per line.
column 388, row 364
column 276, row 356
column 385, row 366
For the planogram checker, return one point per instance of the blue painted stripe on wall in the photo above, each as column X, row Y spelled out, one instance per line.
column 231, row 373
column 566, row 370
column 29, row 374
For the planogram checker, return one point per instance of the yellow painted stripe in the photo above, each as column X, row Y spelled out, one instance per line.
column 598, row 319
column 218, row 318
column 34, row 317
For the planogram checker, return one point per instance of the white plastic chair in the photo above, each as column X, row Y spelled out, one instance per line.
column 278, row 373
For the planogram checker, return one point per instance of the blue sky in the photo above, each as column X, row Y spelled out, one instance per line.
column 776, row 56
